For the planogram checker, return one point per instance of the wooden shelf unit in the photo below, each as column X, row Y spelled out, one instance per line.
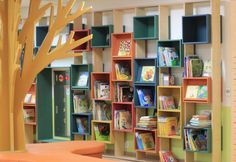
column 75, row 128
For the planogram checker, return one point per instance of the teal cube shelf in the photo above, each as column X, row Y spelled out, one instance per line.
column 207, row 132
column 145, row 27
column 76, row 70
column 101, row 36
column 170, row 45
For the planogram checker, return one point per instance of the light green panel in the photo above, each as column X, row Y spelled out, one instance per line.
column 129, row 142
column 177, row 148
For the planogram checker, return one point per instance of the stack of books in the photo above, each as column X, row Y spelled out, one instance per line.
column 202, row 120
column 167, row 156
column 145, row 141
column 101, row 90
column 147, row 122
column 167, row 126
column 193, row 66
column 167, row 103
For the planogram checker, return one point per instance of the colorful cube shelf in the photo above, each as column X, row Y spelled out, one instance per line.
column 79, row 34
column 145, row 27
column 101, row 36
column 79, row 120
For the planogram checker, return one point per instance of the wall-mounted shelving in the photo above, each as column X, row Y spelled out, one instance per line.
column 86, row 47
column 145, row 27
column 101, row 36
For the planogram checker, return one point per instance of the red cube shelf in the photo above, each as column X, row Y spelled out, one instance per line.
column 126, row 106
column 198, row 81
column 86, row 47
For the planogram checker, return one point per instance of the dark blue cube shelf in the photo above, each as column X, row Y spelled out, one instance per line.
column 101, row 36
column 41, row 32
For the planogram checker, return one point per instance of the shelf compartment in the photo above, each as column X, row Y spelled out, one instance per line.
column 207, row 132
column 125, row 68
column 146, row 89
column 101, row 36
column 175, row 92
column 107, row 125
column 145, row 27
column 81, row 123
column 156, row 140
column 119, row 41
column 196, row 29
column 79, row 34
column 101, row 77
column 123, row 107
column 197, row 81
column 177, row 45
column 41, row 32
column 76, row 70
column 138, row 67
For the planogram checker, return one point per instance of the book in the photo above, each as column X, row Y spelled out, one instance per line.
column 192, row 91
column 202, row 92
column 124, row 48
column 147, row 141
column 123, row 92
column 81, row 103
column 196, row 66
column 167, row 156
column 167, row 126
column 102, row 131
column 28, row 98
column 166, row 102
column 101, row 90
column 166, row 79
column 83, row 79
column 145, row 96
column 168, row 56
column 138, row 141
column 29, row 115
column 102, row 110
column 147, row 74
column 125, row 120
column 207, row 70
column 82, row 125
column 123, row 71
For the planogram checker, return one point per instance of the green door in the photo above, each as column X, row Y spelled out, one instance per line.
column 61, row 104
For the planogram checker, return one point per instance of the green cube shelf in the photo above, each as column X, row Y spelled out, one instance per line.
column 101, row 36
column 145, row 27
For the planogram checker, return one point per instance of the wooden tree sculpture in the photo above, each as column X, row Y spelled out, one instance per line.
column 16, row 77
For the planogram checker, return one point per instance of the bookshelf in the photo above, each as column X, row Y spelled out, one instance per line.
column 145, row 27
column 30, row 113
column 81, row 115
column 86, row 47
column 197, row 29
column 101, row 36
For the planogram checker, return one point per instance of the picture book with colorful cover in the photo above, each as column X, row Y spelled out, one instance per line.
column 202, row 92
column 124, row 48
column 148, row 74
column 102, row 110
column 102, row 131
column 138, row 141
column 192, row 92
column 166, row 102
column 167, row 156
column 145, row 96
column 147, row 141
column 83, row 79
column 125, row 120
column 123, row 71
column 82, row 125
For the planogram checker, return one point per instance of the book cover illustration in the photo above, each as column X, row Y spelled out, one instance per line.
column 83, row 79
column 125, row 120
column 192, row 92
column 147, row 141
column 102, row 131
column 202, row 92
column 197, row 67
column 123, row 71
column 207, row 70
column 102, row 110
column 124, row 48
column 82, row 125
column 168, row 56
column 148, row 73
column 145, row 97
column 101, row 90
column 81, row 103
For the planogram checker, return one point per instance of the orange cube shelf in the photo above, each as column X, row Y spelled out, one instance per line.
column 198, row 81
column 116, row 40
column 121, row 106
column 101, row 77
column 156, row 140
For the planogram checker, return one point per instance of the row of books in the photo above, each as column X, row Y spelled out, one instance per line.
column 145, row 141
column 145, row 96
column 81, row 103
column 167, row 103
column 102, row 110
column 166, row 79
column 101, row 90
column 168, row 56
column 167, row 156
column 122, row 119
column 124, row 92
column 147, row 122
column 195, row 91
column 167, row 126
column 195, row 139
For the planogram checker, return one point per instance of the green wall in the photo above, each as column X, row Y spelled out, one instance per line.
column 177, row 146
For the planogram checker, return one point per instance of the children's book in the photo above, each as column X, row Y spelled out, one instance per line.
column 138, row 141
column 125, row 120
column 202, row 92
column 123, row 71
column 148, row 73
column 83, row 79
column 192, row 91
column 102, row 110
column 197, row 67
column 102, row 131
column 147, row 141
column 145, row 97
column 82, row 125
column 124, row 49
column 81, row 103
column 207, row 70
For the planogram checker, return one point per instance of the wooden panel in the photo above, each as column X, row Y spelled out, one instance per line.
column 117, row 21
column 216, row 77
column 163, row 22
